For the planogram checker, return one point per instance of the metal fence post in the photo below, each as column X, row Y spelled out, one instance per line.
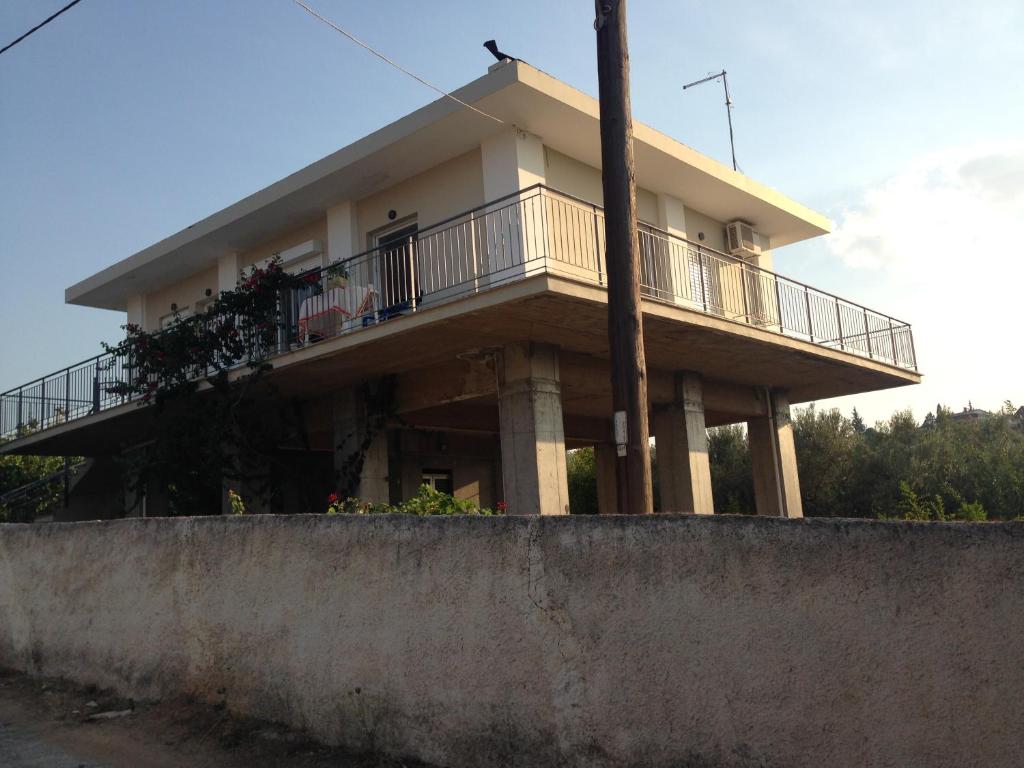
column 867, row 333
column 892, row 341
column 839, row 322
column 810, row 321
column 703, row 286
column 411, row 255
column 743, row 288
column 778, row 301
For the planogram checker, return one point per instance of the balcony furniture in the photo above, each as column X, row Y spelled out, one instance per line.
column 324, row 315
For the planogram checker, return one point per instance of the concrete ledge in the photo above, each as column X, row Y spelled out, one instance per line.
column 721, row 641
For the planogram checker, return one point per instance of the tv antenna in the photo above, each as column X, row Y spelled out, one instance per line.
column 728, row 107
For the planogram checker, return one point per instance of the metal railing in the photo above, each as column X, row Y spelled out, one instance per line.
column 537, row 230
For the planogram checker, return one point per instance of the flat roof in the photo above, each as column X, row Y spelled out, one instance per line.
column 566, row 119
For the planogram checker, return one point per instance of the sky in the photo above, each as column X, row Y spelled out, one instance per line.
column 123, row 122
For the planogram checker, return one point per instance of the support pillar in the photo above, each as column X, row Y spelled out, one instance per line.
column 680, row 435
column 604, row 469
column 351, row 432
column 532, row 432
column 773, row 457
column 228, row 272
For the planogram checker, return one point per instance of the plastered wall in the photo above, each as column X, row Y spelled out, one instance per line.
column 659, row 641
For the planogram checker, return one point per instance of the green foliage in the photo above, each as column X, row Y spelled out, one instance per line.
column 945, row 469
column 237, row 502
column 582, row 476
column 429, row 502
column 731, row 480
column 17, row 471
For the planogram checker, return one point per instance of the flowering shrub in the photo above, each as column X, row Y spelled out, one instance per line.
column 427, row 503
column 240, row 325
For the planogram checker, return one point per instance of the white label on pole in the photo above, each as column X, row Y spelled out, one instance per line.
column 621, row 434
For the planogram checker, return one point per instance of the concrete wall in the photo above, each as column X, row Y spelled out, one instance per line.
column 579, row 642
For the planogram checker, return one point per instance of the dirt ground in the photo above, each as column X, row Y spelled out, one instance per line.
column 47, row 723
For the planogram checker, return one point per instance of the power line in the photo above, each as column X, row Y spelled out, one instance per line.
column 40, row 25
column 382, row 57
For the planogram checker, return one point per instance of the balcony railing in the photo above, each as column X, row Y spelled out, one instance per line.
column 537, row 230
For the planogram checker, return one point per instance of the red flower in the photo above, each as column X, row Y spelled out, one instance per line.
column 502, row 506
column 332, row 499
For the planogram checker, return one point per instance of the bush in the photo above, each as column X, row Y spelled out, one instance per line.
column 427, row 503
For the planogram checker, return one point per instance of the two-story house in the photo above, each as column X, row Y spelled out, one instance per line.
column 475, row 276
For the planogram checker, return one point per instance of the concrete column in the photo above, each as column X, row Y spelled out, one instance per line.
column 342, row 232
column 671, row 215
column 137, row 310
column 684, row 474
column 604, row 468
column 665, row 264
column 351, row 433
column 228, row 272
column 532, row 433
column 773, row 456
column 512, row 239
column 512, row 160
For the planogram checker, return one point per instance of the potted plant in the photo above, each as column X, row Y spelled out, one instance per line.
column 337, row 276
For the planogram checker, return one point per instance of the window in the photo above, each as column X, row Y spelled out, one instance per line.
column 439, row 480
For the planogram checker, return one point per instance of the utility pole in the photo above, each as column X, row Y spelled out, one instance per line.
column 625, row 321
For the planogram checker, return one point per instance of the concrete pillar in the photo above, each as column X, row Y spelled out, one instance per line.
column 604, row 469
column 684, row 473
column 137, row 310
column 352, row 437
column 512, row 236
column 671, row 215
column 663, row 269
column 773, row 456
column 228, row 272
column 342, row 232
column 512, row 160
column 532, row 433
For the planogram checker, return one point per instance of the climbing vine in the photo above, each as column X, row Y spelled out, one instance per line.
column 379, row 401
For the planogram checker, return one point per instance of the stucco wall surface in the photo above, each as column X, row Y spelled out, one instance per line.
column 559, row 641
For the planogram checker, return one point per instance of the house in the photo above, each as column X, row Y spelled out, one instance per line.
column 473, row 254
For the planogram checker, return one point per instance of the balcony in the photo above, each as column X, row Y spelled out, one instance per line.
column 533, row 232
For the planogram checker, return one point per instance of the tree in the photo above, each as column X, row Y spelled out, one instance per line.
column 582, row 476
column 732, row 483
column 17, row 471
column 858, row 423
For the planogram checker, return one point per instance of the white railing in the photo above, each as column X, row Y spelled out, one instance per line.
column 537, row 230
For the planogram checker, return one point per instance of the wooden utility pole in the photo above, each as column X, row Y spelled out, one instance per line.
column 625, row 321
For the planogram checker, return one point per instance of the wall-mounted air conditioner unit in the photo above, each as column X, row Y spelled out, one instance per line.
column 741, row 239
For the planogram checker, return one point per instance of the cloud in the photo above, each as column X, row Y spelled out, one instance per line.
column 943, row 212
column 943, row 241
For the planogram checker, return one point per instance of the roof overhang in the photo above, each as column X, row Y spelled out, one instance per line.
column 565, row 119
